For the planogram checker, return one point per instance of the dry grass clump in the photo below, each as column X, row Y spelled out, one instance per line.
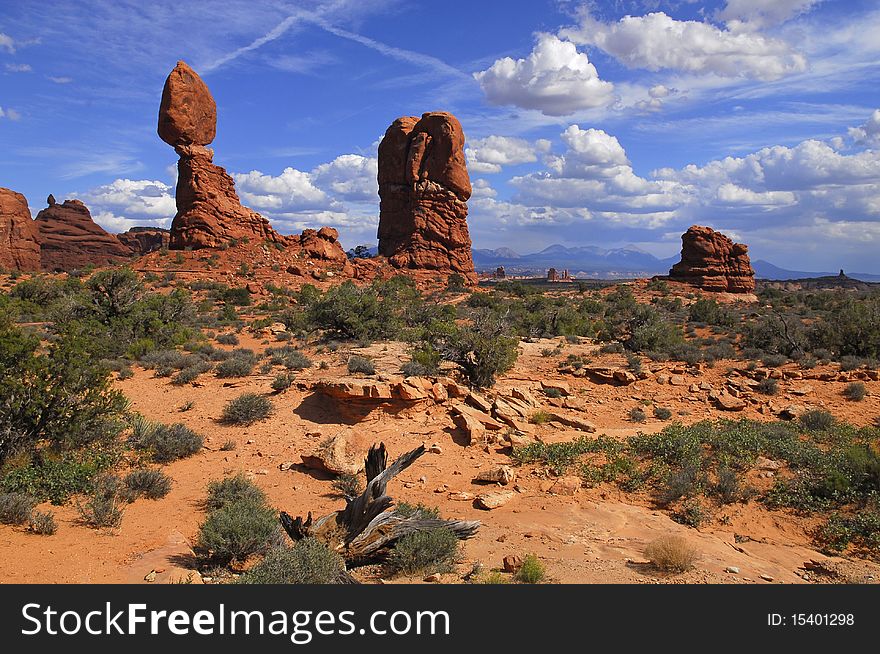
column 672, row 554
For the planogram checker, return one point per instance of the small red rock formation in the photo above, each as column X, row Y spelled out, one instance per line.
column 424, row 188
column 711, row 261
column 19, row 236
column 143, row 240
column 321, row 244
column 70, row 239
column 209, row 212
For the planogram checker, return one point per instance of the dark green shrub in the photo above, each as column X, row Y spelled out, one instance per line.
column 229, row 490
column 16, row 508
column 425, row 550
column 855, row 391
column 414, row 369
column 235, row 366
column 361, row 364
column 289, row 357
column 246, row 409
column 229, row 338
column 531, row 571
column 149, row 483
column 309, row 561
column 774, row 360
column 482, row 350
column 239, row 297
column 190, row 373
column 861, row 530
column 662, row 413
column 236, row 530
column 691, row 513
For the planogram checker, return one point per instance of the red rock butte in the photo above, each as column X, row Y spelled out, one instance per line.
column 712, row 261
column 209, row 212
column 424, row 188
column 19, row 236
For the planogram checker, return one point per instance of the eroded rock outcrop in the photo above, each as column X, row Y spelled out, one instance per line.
column 712, row 261
column 70, row 239
column 143, row 240
column 209, row 212
column 424, row 188
column 19, row 236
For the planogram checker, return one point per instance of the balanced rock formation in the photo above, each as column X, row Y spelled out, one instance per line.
column 70, row 239
column 209, row 212
column 713, row 262
column 143, row 240
column 322, row 244
column 19, row 236
column 424, row 188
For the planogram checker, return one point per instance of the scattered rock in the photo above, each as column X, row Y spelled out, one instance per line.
column 728, row 402
column 489, row 501
column 335, row 455
column 553, row 385
column 566, row 486
column 503, row 475
column 511, row 563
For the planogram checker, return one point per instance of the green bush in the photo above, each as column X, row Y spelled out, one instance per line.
column 246, row 409
column 531, row 571
column 235, row 366
column 16, row 508
column 768, row 386
column 166, row 442
column 662, row 413
column 309, row 561
column 56, row 477
column 425, row 550
column 361, row 364
column 190, row 373
column 289, row 357
column 637, row 415
column 231, row 490
column 482, row 350
column 282, row 382
column 146, row 482
column 348, row 485
column 861, row 530
column 237, row 530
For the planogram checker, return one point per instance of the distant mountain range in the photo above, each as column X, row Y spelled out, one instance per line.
column 590, row 261
column 630, row 261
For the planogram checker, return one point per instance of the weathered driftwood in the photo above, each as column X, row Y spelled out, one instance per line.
column 366, row 529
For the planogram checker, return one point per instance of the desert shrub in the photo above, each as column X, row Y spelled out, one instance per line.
column 672, row 554
column 612, row 348
column 728, row 486
column 228, row 445
column 559, row 457
column 235, row 366
column 246, row 409
column 309, row 561
column 233, row 489
column 816, row 420
column 634, row 363
column 849, row 362
column 166, row 442
column 59, row 396
column 540, row 418
column 861, row 530
column 553, row 392
column 691, row 513
column 637, row 415
column 776, row 334
column 348, row 485
column 711, row 312
column 125, row 373
column 146, row 482
column 16, row 508
column 414, row 369
column 774, row 360
column 230, row 338
column 482, row 350
column 282, row 382
column 289, row 357
column 434, row 550
column 851, row 327
column 855, row 391
column 531, row 571
column 768, row 386
column 662, row 413
column 104, row 505
column 56, row 477
column 456, row 283
column 43, row 523
column 239, row 297
column 407, row 510
column 237, row 530
column 190, row 373
column 361, row 364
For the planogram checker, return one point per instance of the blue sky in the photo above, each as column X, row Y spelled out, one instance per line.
column 588, row 123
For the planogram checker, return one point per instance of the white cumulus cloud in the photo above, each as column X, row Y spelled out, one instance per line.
column 761, row 14
column 489, row 154
column 555, row 79
column 656, row 42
